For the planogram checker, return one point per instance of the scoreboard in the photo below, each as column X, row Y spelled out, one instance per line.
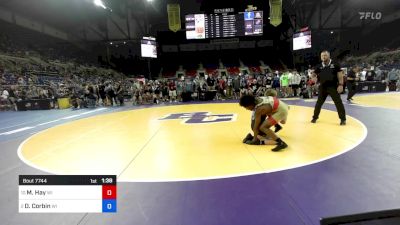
column 148, row 47
column 202, row 26
column 67, row 193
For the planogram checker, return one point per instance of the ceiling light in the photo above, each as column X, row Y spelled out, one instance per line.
column 99, row 3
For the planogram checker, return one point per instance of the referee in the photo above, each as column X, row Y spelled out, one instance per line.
column 330, row 77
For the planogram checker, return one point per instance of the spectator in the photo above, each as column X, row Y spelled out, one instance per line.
column 296, row 83
column 284, row 84
column 370, row 75
column 119, row 93
column 110, row 94
column 393, row 77
column 4, row 95
column 172, row 91
column 379, row 75
column 363, row 75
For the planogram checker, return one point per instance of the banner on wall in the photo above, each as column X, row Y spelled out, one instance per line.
column 275, row 12
column 174, row 17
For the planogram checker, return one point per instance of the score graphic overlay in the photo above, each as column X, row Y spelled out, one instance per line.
column 225, row 25
column 67, row 194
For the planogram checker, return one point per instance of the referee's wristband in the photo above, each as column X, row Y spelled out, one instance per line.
column 340, row 84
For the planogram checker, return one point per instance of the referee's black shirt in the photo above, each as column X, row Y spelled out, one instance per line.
column 327, row 75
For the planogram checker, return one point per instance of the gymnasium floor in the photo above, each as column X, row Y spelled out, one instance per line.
column 184, row 164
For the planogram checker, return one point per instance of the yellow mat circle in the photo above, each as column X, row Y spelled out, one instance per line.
column 389, row 100
column 185, row 142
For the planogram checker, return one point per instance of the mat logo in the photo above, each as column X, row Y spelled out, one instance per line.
column 200, row 117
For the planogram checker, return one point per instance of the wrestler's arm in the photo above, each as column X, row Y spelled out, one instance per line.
column 262, row 110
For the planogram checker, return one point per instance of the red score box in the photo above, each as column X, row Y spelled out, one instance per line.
column 109, row 191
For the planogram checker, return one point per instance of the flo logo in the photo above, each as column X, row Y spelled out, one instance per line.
column 200, row 117
column 370, row 15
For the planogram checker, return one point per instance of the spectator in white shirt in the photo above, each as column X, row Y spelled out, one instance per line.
column 296, row 83
column 363, row 75
column 4, row 95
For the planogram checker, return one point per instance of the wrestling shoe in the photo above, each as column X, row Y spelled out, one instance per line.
column 281, row 145
column 248, row 137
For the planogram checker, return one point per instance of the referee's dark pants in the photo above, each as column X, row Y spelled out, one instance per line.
column 352, row 88
column 323, row 94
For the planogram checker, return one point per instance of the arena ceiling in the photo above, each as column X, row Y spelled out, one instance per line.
column 128, row 18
